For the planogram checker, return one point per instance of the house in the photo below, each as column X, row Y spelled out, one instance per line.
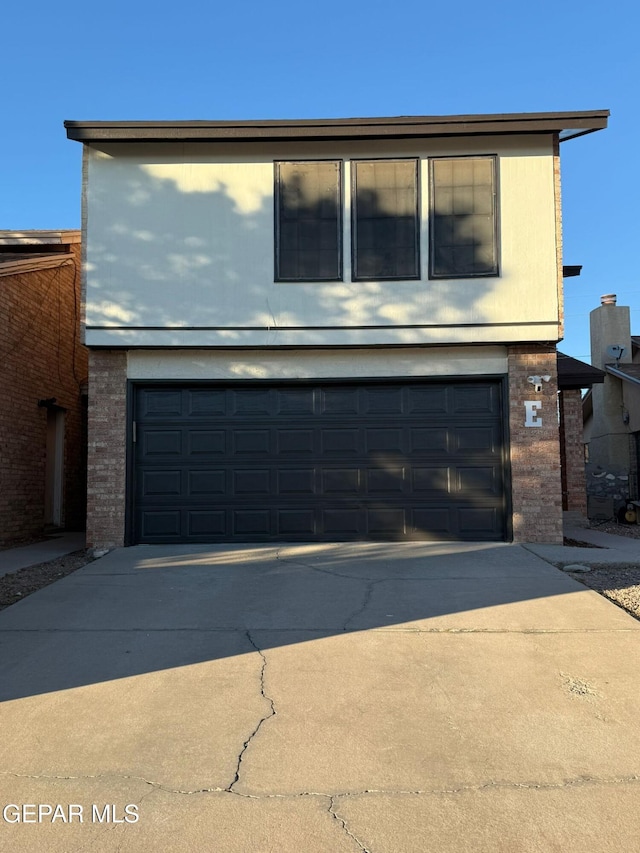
column 43, row 382
column 612, row 410
column 324, row 329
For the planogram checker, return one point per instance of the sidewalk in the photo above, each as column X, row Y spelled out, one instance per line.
column 610, row 550
column 14, row 559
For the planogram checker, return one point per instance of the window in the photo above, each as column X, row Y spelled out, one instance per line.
column 308, row 221
column 463, row 217
column 385, row 224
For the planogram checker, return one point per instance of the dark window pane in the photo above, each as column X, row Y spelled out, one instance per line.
column 308, row 221
column 463, row 217
column 385, row 219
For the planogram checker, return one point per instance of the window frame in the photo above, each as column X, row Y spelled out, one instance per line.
column 416, row 160
column 339, row 223
column 495, row 272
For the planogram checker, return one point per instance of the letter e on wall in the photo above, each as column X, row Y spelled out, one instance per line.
column 532, row 418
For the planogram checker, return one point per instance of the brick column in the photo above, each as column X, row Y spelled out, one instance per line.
column 535, row 450
column 106, row 463
column 574, row 481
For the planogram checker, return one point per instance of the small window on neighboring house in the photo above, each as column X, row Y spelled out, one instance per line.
column 464, row 232
column 308, row 221
column 385, row 224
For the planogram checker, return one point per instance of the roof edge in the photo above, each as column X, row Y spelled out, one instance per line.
column 565, row 124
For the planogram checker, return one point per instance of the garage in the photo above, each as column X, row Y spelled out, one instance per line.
column 317, row 461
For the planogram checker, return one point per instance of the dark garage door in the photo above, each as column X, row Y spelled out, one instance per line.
column 318, row 462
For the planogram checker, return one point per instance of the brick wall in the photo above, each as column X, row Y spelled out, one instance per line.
column 42, row 357
column 106, row 467
column 535, row 451
column 574, row 486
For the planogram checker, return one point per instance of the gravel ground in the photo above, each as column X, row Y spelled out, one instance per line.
column 620, row 585
column 17, row 585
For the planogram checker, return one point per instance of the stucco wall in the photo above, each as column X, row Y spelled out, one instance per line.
column 180, row 238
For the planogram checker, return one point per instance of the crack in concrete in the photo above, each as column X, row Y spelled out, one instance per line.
column 368, row 593
column 370, row 584
column 272, row 713
column 577, row 782
column 343, row 825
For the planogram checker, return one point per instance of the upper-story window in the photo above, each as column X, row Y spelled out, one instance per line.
column 463, row 214
column 308, row 211
column 385, row 225
column 385, row 221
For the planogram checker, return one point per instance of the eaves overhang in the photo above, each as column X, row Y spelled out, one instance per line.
column 566, row 125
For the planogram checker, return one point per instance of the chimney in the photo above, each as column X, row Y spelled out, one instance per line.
column 610, row 324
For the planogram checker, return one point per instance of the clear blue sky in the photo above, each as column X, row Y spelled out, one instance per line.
column 283, row 59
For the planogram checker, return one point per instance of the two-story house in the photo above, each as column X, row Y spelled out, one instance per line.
column 324, row 329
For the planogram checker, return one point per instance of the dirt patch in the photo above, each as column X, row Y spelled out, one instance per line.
column 574, row 543
column 18, row 585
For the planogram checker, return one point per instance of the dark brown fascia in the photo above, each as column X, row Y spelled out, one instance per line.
column 566, row 125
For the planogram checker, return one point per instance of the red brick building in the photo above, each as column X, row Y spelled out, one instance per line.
column 43, row 379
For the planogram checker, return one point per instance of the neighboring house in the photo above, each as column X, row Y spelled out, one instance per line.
column 612, row 411
column 324, row 329
column 574, row 376
column 43, row 374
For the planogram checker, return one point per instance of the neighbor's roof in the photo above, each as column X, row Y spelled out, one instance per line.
column 574, row 374
column 628, row 372
column 566, row 124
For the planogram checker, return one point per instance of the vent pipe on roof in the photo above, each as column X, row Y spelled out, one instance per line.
column 608, row 299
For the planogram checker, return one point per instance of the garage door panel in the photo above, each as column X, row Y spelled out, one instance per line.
column 319, row 462
column 296, row 481
column 340, row 442
column 206, row 442
column 476, row 439
column 162, row 442
column 383, row 440
column 388, row 401
column 295, row 402
column 342, row 521
column 253, row 522
column 296, row 522
column 251, row 401
column 165, row 482
column 251, row 441
column 477, row 481
column 428, row 400
column 428, row 440
column 160, row 404
column 477, row 400
column 160, row 523
column 295, row 442
column 431, row 482
column 206, row 523
column 207, row 402
column 339, row 401
column 252, row 482
column 340, row 481
column 207, row 482
column 389, row 480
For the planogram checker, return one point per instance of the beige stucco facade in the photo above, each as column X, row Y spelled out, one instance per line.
column 180, row 247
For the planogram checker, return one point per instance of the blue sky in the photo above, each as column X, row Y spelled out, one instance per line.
column 283, row 59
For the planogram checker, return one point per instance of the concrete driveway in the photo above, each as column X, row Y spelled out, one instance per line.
column 389, row 698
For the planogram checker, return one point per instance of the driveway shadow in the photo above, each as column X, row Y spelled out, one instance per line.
column 152, row 608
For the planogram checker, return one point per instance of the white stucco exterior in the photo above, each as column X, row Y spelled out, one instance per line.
column 180, row 252
column 315, row 364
